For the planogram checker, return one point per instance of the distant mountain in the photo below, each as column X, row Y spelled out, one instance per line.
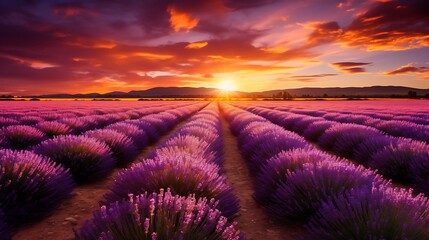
column 375, row 91
column 175, row 91
column 380, row 91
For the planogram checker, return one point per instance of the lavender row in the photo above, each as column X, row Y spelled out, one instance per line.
column 403, row 160
column 94, row 154
column 54, row 110
column 406, row 110
column 398, row 126
column 188, row 163
column 34, row 116
column 22, row 137
column 32, row 185
column 333, row 198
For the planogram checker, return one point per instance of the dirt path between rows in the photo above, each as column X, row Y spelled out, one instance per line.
column 74, row 211
column 252, row 220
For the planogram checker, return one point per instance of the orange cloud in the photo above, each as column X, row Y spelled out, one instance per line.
column 153, row 56
column 181, row 20
column 87, row 43
column 197, row 45
column 274, row 50
column 324, row 32
column 36, row 64
column 390, row 26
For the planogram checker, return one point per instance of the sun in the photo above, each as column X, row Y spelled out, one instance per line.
column 227, row 86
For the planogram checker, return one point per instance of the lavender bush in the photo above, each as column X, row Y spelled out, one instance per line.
column 5, row 122
column 180, row 172
column 186, row 144
column 274, row 172
column 302, row 194
column 363, row 152
column 419, row 168
column 159, row 216
column 273, row 144
column 122, row 147
column 30, row 185
column 394, row 160
column 152, row 133
column 77, row 124
column 343, row 138
column 30, row 120
column 138, row 136
column 372, row 213
column 20, row 137
column 53, row 128
column 86, row 158
column 316, row 129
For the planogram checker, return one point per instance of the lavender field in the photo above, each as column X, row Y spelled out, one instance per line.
column 214, row 170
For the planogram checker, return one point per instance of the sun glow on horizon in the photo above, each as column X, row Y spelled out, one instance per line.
column 227, row 86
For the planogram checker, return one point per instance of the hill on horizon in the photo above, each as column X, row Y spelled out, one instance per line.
column 374, row 91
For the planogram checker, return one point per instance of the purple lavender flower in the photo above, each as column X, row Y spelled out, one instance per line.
column 332, row 116
column 86, row 158
column 53, row 128
column 241, row 120
column 349, row 138
column 211, row 136
column 316, row 129
column 20, row 137
column 158, row 122
column 344, row 138
column 187, row 144
column 369, row 146
column 274, row 172
column 152, row 133
column 271, row 144
column 259, row 142
column 405, row 129
column 378, row 213
column 354, row 118
column 122, row 147
column 255, row 133
column 138, row 136
column 78, row 125
column 313, row 113
column 413, row 119
column 419, row 168
column 159, row 216
column 180, row 172
column 304, row 191
column 394, row 160
column 302, row 124
column 30, row 185
column 30, row 120
column 5, row 122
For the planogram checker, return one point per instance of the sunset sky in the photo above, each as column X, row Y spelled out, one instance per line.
column 103, row 46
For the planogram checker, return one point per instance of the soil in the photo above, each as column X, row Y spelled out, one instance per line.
column 252, row 220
